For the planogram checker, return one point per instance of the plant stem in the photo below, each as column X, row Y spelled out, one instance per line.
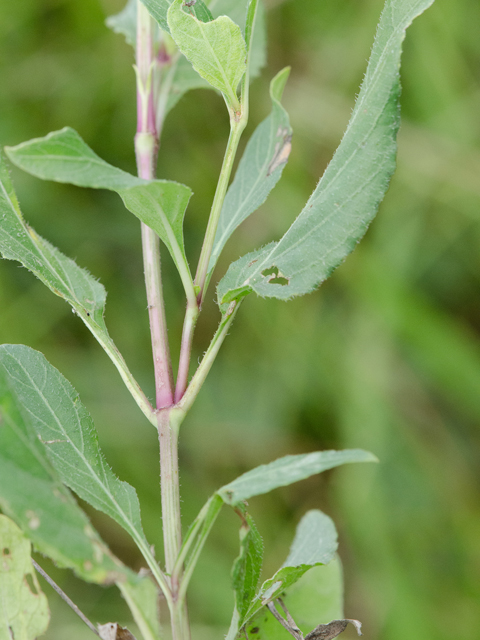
column 146, row 152
column 236, row 129
column 191, row 317
column 171, row 518
column 208, row 359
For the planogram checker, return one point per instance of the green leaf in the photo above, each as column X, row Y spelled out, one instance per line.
column 238, row 12
column 317, row 597
column 159, row 9
column 63, row 156
column 347, row 197
column 24, row 613
column 64, row 426
column 216, row 49
column 315, row 543
column 32, row 495
column 125, row 22
column 259, row 169
column 18, row 241
column 142, row 598
column 286, row 471
column 247, row 567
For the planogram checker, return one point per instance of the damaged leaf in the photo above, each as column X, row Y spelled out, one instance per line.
column 24, row 613
column 333, row 629
column 113, row 631
column 347, row 197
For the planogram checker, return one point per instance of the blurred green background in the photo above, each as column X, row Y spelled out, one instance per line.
column 386, row 356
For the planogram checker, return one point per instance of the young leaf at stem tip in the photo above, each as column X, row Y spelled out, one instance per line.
column 216, row 49
column 347, row 197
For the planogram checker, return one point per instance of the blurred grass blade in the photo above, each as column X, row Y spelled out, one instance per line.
column 63, row 276
column 24, row 613
column 347, row 197
column 286, row 471
column 216, row 49
column 32, row 494
column 64, row 426
column 62, row 156
column 259, row 169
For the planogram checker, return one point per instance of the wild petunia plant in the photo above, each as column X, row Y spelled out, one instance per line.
column 48, row 443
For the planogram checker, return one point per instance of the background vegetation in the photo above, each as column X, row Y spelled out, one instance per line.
column 386, row 356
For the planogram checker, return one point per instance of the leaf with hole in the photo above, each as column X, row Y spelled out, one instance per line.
column 62, row 156
column 32, row 495
column 24, row 613
column 65, row 428
column 259, row 169
column 216, row 49
column 347, row 197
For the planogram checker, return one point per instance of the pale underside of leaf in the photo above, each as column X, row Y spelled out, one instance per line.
column 64, row 426
column 24, row 614
column 347, row 197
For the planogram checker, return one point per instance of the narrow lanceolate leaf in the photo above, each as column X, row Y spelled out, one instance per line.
column 125, row 22
column 216, row 49
column 286, row 471
column 32, row 495
column 24, row 613
column 259, row 169
column 317, row 597
column 18, row 241
column 63, row 156
column 66, row 430
column 347, row 197
column 248, row 566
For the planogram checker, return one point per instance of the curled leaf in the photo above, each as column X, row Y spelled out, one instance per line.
column 113, row 631
column 333, row 629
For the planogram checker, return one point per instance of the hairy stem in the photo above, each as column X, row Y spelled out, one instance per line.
column 146, row 152
column 191, row 317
